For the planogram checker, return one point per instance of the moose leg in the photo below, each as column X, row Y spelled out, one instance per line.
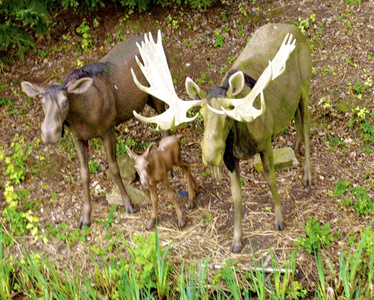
column 154, row 199
column 109, row 142
column 173, row 201
column 82, row 149
column 305, row 119
column 299, row 132
column 269, row 173
column 236, row 193
column 191, row 184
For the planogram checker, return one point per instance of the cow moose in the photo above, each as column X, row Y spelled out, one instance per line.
column 91, row 101
column 265, row 89
column 153, row 167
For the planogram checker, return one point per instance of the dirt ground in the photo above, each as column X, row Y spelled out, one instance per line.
column 342, row 39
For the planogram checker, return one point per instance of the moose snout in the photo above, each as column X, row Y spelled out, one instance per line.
column 144, row 181
column 212, row 152
column 50, row 135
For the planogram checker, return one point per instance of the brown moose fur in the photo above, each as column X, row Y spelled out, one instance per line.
column 153, row 167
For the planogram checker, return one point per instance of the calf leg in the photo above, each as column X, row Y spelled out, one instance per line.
column 236, row 193
column 191, row 184
column 109, row 142
column 269, row 173
column 154, row 199
column 172, row 199
column 82, row 149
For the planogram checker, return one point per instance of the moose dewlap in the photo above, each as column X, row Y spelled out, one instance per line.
column 265, row 89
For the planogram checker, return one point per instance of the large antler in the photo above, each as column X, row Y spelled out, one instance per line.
column 157, row 73
column 244, row 111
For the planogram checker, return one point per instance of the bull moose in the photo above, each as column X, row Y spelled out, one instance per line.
column 265, row 89
column 91, row 101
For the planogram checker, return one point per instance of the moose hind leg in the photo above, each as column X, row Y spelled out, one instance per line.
column 109, row 142
column 82, row 150
column 269, row 173
column 299, row 132
column 305, row 119
column 170, row 193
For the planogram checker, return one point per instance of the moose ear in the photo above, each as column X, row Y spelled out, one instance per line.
column 31, row 90
column 193, row 90
column 236, row 83
column 80, row 86
column 146, row 153
column 130, row 153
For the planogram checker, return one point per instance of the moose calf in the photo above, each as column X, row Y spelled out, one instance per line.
column 153, row 166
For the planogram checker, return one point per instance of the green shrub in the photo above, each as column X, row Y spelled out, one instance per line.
column 18, row 17
column 357, row 197
column 317, row 236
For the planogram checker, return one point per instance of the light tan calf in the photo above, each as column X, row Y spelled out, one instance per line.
column 153, row 166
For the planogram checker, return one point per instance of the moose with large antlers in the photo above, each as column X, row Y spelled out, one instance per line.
column 265, row 89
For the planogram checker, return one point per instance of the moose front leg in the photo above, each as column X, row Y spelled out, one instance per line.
column 82, row 149
column 191, row 184
column 269, row 173
column 236, row 193
column 109, row 142
column 154, row 199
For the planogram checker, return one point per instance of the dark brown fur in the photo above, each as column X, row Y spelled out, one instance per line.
column 91, row 101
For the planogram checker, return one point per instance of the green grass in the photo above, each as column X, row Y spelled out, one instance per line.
column 38, row 277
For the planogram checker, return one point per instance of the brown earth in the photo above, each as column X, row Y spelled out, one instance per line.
column 342, row 40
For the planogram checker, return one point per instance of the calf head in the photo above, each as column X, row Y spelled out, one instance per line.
column 141, row 164
column 55, row 105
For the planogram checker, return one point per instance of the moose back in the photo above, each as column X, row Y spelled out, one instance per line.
column 91, row 101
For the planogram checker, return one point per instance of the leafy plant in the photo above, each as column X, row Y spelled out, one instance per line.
column 356, row 197
column 317, row 236
column 16, row 168
column 93, row 166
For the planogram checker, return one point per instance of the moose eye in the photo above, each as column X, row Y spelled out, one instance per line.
column 64, row 102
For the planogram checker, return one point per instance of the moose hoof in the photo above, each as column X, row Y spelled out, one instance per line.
column 181, row 223
column 279, row 225
column 130, row 209
column 307, row 180
column 83, row 224
column 190, row 204
column 236, row 247
column 151, row 224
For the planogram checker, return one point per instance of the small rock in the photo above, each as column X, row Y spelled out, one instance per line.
column 126, row 167
column 284, row 158
column 136, row 196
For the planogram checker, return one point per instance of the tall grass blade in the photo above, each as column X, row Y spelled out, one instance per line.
column 258, row 278
column 321, row 274
column 162, row 269
column 369, row 291
column 5, row 272
column 228, row 275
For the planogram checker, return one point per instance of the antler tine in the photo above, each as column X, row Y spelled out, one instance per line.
column 156, row 70
column 244, row 111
